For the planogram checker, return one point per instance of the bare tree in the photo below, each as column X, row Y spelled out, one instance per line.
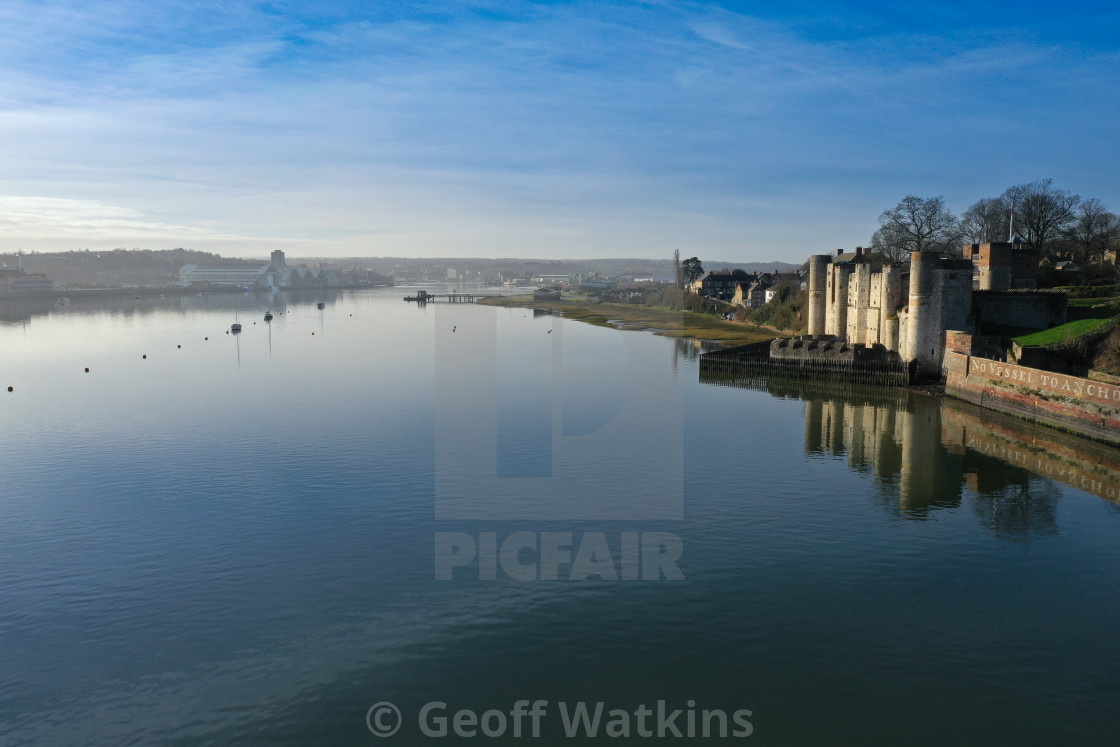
column 1042, row 212
column 1092, row 233
column 987, row 221
column 914, row 225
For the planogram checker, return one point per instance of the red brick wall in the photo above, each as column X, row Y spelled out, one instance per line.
column 1090, row 408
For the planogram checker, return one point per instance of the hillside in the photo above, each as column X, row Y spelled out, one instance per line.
column 119, row 267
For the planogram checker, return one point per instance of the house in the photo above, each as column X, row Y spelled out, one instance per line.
column 722, row 284
column 1069, row 271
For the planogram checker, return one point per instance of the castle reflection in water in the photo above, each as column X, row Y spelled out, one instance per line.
column 929, row 453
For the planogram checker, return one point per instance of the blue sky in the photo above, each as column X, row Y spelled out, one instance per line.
column 737, row 131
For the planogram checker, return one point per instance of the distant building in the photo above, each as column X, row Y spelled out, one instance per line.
column 598, row 284
column 276, row 274
column 19, row 280
column 1069, row 272
column 751, row 293
column 723, row 284
column 249, row 277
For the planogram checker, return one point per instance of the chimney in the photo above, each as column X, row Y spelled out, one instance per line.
column 859, row 251
column 839, row 252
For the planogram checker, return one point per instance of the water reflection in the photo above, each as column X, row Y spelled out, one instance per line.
column 929, row 453
column 114, row 304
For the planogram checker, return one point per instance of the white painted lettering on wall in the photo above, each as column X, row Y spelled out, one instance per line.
column 1044, row 380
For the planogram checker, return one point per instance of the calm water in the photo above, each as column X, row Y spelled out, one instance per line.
column 236, row 541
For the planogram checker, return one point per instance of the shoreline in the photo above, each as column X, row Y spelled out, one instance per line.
column 660, row 321
column 158, row 291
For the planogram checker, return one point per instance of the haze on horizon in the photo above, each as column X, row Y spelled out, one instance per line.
column 567, row 130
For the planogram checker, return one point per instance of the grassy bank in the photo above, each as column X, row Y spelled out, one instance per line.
column 629, row 316
column 1064, row 333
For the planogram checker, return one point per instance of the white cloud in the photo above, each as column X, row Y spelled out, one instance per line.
column 717, row 32
column 50, row 223
column 318, row 130
column 61, row 218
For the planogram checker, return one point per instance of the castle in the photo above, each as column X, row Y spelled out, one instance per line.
column 902, row 312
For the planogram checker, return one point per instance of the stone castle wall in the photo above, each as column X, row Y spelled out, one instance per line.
column 908, row 310
column 1020, row 309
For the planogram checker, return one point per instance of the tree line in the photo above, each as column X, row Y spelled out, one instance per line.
column 1055, row 222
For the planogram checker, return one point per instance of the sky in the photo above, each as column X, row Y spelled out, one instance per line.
column 736, row 131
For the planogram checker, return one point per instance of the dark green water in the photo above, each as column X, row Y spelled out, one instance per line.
column 237, row 541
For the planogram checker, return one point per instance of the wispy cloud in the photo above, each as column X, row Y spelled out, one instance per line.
column 717, row 32
column 59, row 218
column 342, row 121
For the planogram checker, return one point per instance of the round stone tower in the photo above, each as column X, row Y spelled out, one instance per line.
column 888, row 306
column 818, row 277
column 922, row 338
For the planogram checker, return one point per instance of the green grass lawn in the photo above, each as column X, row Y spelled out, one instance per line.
column 1064, row 333
column 1088, row 303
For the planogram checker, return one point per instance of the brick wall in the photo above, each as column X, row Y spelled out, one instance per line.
column 1090, row 408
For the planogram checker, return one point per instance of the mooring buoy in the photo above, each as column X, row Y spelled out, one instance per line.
column 145, row 356
column 87, row 370
column 11, row 389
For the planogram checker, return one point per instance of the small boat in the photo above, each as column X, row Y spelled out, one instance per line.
column 236, row 326
column 321, row 305
column 64, row 301
column 268, row 315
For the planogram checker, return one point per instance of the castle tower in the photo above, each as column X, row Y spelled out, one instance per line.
column 922, row 337
column 830, row 301
column 842, row 286
column 995, row 266
column 888, row 305
column 859, row 298
column 818, row 269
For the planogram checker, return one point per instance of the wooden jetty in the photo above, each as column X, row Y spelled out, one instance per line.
column 425, row 297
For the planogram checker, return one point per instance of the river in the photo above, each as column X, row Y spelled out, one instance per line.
column 211, row 538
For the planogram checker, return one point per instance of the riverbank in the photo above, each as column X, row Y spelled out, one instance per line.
column 658, row 320
column 161, row 290
column 111, row 292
